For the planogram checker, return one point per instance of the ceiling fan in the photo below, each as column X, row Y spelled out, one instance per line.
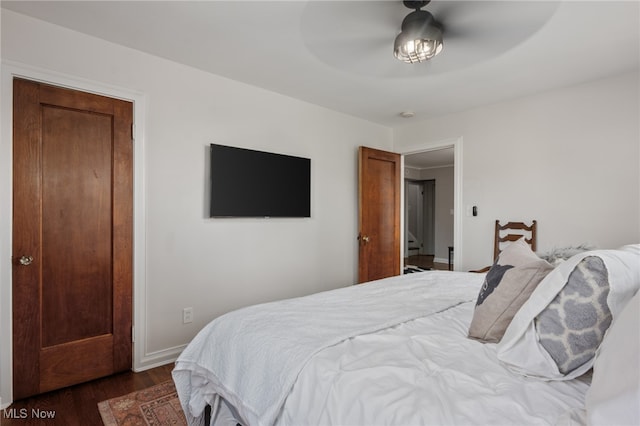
column 421, row 36
column 357, row 36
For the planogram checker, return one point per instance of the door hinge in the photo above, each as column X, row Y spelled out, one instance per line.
column 133, row 334
column 133, row 132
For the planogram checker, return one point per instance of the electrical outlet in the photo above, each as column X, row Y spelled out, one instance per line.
column 187, row 315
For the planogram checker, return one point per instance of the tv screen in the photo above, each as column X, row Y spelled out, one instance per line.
column 248, row 183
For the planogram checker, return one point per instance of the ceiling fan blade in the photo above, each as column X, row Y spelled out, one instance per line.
column 336, row 18
column 443, row 11
column 350, row 46
column 489, row 20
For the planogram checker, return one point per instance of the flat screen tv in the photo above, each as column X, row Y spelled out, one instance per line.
column 248, row 183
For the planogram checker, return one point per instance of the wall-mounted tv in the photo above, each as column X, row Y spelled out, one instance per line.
column 248, row 183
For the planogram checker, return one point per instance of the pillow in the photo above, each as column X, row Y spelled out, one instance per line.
column 558, row 255
column 508, row 283
column 572, row 326
column 633, row 248
column 614, row 393
column 556, row 333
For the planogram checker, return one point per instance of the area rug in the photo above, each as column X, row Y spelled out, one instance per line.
column 410, row 269
column 154, row 406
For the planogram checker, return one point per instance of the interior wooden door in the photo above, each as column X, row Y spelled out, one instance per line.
column 72, row 237
column 379, row 214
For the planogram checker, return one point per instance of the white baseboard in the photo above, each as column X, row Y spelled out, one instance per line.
column 159, row 358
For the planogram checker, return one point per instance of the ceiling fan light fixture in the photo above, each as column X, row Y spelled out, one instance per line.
column 420, row 39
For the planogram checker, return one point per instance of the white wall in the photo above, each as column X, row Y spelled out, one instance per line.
column 569, row 158
column 212, row 265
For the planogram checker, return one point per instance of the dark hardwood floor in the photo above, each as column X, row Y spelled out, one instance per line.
column 78, row 405
column 425, row 261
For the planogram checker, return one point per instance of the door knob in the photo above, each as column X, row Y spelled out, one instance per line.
column 25, row 260
column 365, row 238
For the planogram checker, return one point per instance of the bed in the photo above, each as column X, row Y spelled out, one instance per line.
column 418, row 349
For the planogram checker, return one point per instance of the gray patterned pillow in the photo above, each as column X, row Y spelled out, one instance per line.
column 573, row 325
column 556, row 333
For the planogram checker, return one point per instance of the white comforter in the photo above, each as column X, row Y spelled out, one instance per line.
column 424, row 372
column 390, row 352
column 251, row 357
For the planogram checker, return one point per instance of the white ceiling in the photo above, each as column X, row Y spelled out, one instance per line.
column 338, row 54
column 430, row 159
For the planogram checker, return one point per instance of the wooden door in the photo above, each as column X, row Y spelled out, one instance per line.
column 379, row 214
column 72, row 237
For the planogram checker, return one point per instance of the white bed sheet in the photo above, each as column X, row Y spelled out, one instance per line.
column 423, row 372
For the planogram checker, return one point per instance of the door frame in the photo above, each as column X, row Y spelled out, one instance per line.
column 456, row 143
column 8, row 71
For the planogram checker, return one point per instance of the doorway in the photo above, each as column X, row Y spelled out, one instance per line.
column 419, row 236
column 431, row 203
column 420, row 217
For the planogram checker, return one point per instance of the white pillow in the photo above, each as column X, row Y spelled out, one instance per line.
column 633, row 248
column 577, row 299
column 614, row 395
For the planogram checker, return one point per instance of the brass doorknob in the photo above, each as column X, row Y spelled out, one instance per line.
column 25, row 260
column 365, row 238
